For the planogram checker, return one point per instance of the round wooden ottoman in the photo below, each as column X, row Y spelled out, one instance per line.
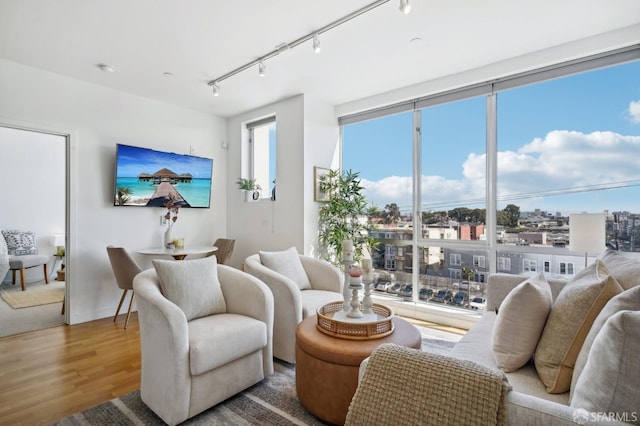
column 327, row 367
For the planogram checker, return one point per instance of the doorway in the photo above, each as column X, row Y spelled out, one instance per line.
column 33, row 172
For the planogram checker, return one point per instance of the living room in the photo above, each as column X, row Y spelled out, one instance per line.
column 97, row 117
column 95, row 110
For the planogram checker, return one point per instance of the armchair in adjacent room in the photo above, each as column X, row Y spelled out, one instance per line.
column 300, row 285
column 23, row 254
column 205, row 333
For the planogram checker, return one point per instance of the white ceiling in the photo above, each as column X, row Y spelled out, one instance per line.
column 199, row 40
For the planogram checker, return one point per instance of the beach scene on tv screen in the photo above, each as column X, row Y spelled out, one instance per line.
column 149, row 178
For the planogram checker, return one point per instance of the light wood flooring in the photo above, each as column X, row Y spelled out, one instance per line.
column 49, row 374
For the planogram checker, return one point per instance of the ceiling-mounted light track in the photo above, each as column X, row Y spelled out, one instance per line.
column 315, row 36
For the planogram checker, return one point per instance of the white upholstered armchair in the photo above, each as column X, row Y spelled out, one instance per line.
column 190, row 365
column 300, row 285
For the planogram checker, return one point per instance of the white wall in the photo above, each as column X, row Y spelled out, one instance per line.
column 321, row 148
column 32, row 172
column 307, row 136
column 268, row 225
column 97, row 118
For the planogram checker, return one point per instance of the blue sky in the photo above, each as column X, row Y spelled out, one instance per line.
column 571, row 134
column 134, row 160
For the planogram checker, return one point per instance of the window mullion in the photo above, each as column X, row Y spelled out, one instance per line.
column 417, row 199
column 491, row 231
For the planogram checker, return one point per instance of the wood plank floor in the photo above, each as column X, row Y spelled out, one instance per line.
column 49, row 374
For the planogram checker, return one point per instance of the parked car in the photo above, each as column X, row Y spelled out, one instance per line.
column 382, row 285
column 479, row 303
column 407, row 290
column 394, row 288
column 442, row 296
column 425, row 293
column 460, row 298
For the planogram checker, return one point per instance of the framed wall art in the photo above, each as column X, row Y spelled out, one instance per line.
column 321, row 174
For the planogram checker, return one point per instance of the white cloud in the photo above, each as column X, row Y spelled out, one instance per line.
column 634, row 111
column 562, row 159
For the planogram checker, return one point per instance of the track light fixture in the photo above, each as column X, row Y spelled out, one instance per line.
column 215, row 88
column 314, row 36
column 405, row 7
column 316, row 43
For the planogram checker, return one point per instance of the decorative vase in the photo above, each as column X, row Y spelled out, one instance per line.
column 167, row 237
column 250, row 195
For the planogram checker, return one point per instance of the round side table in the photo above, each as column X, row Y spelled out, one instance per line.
column 327, row 367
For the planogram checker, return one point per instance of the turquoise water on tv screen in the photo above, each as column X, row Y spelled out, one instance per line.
column 196, row 193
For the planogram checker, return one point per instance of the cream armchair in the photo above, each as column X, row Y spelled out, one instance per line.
column 190, row 366
column 293, row 304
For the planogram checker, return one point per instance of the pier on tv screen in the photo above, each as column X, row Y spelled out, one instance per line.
column 148, row 178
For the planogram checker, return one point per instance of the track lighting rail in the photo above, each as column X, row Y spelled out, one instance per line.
column 287, row 46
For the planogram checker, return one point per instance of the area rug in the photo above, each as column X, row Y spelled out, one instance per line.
column 35, row 295
column 271, row 402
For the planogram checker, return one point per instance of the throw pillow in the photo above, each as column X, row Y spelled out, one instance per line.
column 520, row 322
column 20, row 243
column 628, row 300
column 570, row 319
column 4, row 250
column 609, row 382
column 287, row 263
column 192, row 285
column 626, row 271
column 4, row 258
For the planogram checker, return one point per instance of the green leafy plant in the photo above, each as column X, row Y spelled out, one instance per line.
column 248, row 184
column 123, row 195
column 342, row 217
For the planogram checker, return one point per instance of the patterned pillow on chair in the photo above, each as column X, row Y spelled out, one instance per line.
column 20, row 243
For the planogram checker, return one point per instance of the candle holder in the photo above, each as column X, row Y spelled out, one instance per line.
column 367, row 279
column 367, row 302
column 345, row 288
column 355, row 284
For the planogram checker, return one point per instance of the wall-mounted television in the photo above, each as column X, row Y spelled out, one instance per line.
column 148, row 178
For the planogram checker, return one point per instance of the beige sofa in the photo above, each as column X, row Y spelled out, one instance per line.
column 528, row 403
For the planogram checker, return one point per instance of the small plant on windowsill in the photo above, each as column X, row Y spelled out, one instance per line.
column 248, row 184
column 250, row 189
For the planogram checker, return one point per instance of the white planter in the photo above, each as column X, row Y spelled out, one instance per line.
column 249, row 196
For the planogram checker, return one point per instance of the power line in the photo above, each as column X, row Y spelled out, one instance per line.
column 442, row 205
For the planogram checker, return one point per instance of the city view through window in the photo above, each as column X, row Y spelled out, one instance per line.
column 564, row 148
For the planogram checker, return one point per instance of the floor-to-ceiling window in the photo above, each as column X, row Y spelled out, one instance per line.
column 566, row 147
column 381, row 151
column 511, row 175
column 452, row 201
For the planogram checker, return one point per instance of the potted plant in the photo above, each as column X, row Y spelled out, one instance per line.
column 340, row 218
column 250, row 189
